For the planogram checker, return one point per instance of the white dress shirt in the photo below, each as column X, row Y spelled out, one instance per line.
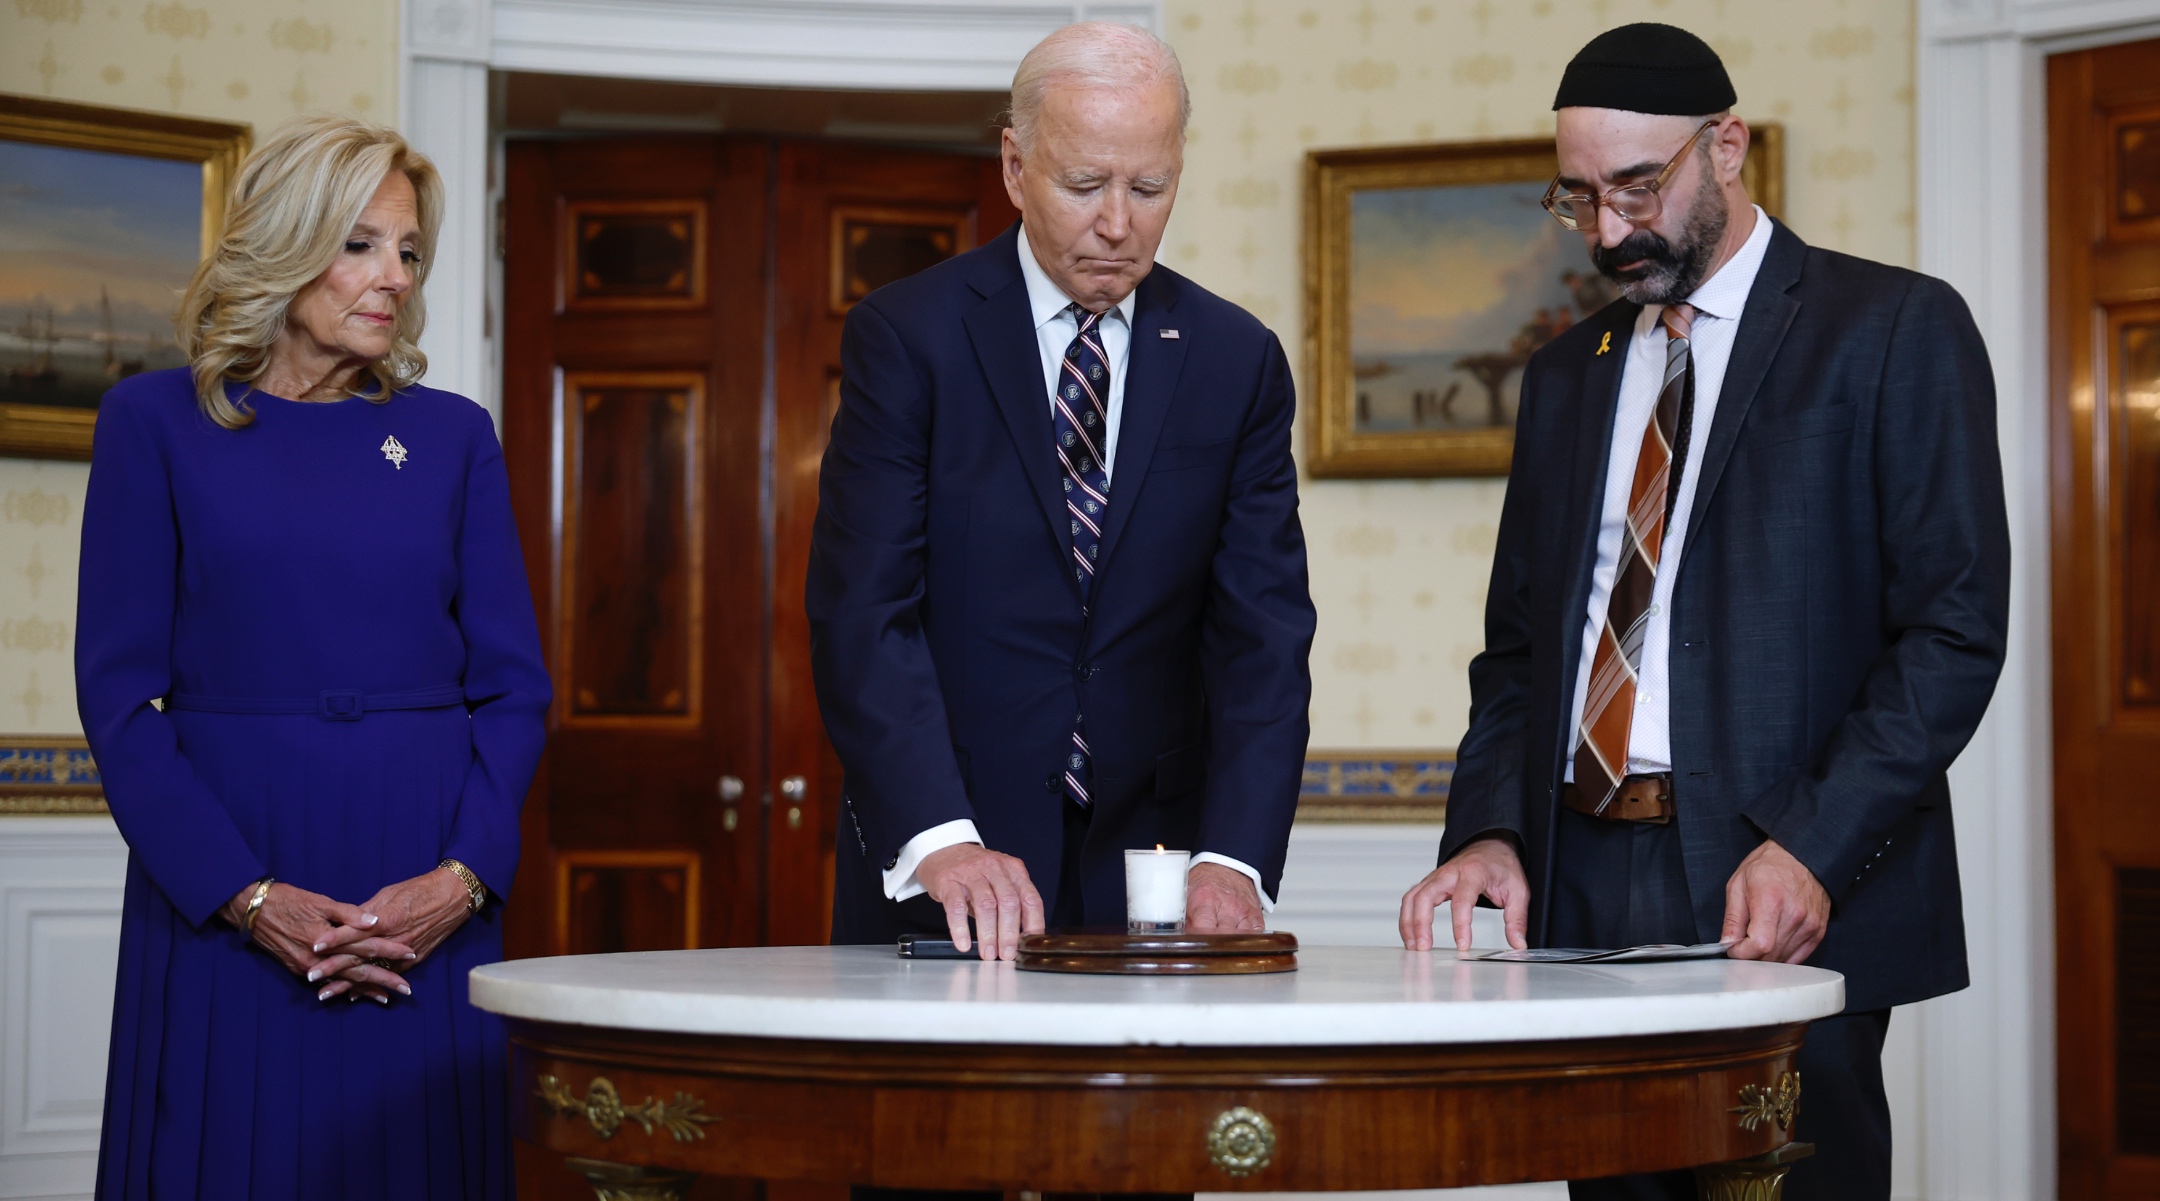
column 1718, row 303
column 1055, row 328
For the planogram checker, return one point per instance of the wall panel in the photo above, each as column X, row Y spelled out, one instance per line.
column 60, row 892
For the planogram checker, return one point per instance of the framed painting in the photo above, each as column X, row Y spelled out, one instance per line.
column 104, row 214
column 1432, row 274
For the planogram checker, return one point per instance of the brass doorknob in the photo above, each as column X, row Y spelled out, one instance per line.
column 794, row 788
column 731, row 788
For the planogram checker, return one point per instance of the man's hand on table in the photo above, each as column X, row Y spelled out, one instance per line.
column 1777, row 905
column 1486, row 867
column 972, row 880
column 1221, row 900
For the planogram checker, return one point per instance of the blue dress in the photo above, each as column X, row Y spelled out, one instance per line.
column 262, row 568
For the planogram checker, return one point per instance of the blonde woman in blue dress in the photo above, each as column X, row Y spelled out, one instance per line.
column 309, row 669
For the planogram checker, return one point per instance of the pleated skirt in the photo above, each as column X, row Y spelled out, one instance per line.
column 227, row 1079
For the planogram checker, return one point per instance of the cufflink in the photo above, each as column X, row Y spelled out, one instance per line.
column 892, row 863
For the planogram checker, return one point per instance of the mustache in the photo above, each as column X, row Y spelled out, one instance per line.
column 1642, row 247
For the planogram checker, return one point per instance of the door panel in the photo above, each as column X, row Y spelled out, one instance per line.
column 633, row 254
column 632, row 406
column 609, row 901
column 632, row 628
column 2104, row 277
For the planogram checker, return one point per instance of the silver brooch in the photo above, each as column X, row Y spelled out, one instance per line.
column 394, row 451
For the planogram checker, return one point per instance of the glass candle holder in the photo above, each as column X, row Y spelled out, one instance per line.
column 1155, row 891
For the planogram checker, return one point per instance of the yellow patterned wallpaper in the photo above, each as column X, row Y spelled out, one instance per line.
column 40, row 527
column 1399, row 567
column 258, row 61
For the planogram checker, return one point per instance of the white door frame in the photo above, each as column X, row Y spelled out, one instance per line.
column 1988, row 1054
column 449, row 46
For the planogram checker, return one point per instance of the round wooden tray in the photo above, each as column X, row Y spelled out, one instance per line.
column 1115, row 953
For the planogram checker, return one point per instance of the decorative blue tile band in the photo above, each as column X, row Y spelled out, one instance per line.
column 49, row 775
column 1376, row 785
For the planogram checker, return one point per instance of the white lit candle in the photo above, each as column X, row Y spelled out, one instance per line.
column 1155, row 890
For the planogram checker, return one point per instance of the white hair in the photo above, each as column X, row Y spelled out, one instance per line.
column 1094, row 54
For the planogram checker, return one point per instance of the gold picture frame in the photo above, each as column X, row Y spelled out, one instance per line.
column 63, row 431
column 1346, row 439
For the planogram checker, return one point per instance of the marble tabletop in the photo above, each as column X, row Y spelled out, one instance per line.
column 1339, row 996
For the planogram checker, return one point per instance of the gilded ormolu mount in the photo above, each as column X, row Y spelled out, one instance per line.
column 603, row 1109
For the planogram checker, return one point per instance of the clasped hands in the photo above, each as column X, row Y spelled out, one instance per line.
column 346, row 947
column 971, row 880
column 1773, row 904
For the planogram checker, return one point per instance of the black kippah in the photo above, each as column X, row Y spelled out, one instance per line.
column 1647, row 68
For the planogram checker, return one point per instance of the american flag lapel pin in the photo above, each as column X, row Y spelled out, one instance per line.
column 1168, row 333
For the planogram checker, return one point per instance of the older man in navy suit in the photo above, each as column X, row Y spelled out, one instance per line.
column 1750, row 599
column 1057, row 587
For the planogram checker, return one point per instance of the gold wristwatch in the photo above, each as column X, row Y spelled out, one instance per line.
column 475, row 892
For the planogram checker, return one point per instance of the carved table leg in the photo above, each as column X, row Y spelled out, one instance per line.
column 1759, row 1179
column 628, row 1182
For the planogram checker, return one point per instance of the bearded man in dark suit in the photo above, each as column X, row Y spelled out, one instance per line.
column 1749, row 600
column 1057, row 589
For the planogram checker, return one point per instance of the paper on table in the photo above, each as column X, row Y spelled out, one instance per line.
column 1654, row 953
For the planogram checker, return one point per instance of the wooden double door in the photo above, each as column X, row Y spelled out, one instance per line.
column 2104, row 334
column 673, row 309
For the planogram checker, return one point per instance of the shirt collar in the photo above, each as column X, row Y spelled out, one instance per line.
column 1046, row 300
column 1725, row 294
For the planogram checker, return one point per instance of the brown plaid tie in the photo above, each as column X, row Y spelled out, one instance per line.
column 1601, row 742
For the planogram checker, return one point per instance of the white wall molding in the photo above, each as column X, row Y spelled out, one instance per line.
column 451, row 45
column 443, row 93
column 457, row 30
column 61, row 880
column 1989, row 1117
column 902, row 44
column 446, row 118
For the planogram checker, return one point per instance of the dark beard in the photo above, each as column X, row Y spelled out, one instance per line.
column 1665, row 274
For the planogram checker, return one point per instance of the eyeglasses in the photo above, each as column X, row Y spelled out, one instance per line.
column 1637, row 203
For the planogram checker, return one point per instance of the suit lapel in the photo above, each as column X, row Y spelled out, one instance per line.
column 1769, row 313
column 1004, row 341
column 1152, row 367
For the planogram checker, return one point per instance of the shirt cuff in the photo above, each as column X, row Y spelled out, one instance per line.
column 1267, row 903
column 900, row 881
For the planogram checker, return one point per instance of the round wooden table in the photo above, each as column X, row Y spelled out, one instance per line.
column 1368, row 1068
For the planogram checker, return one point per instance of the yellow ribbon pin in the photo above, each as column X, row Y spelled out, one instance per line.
column 1605, row 345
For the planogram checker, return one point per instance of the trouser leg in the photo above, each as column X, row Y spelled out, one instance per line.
column 1618, row 884
column 1621, row 884
column 1068, row 911
column 1843, row 1111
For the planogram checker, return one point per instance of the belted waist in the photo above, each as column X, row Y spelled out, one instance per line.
column 333, row 705
column 1638, row 799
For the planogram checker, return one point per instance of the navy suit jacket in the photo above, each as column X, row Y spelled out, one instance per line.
column 947, row 635
column 1837, row 625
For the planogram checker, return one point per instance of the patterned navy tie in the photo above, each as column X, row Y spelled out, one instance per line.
column 1079, row 416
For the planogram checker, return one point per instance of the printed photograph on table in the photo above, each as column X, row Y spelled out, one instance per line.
column 1434, row 274
column 104, row 214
